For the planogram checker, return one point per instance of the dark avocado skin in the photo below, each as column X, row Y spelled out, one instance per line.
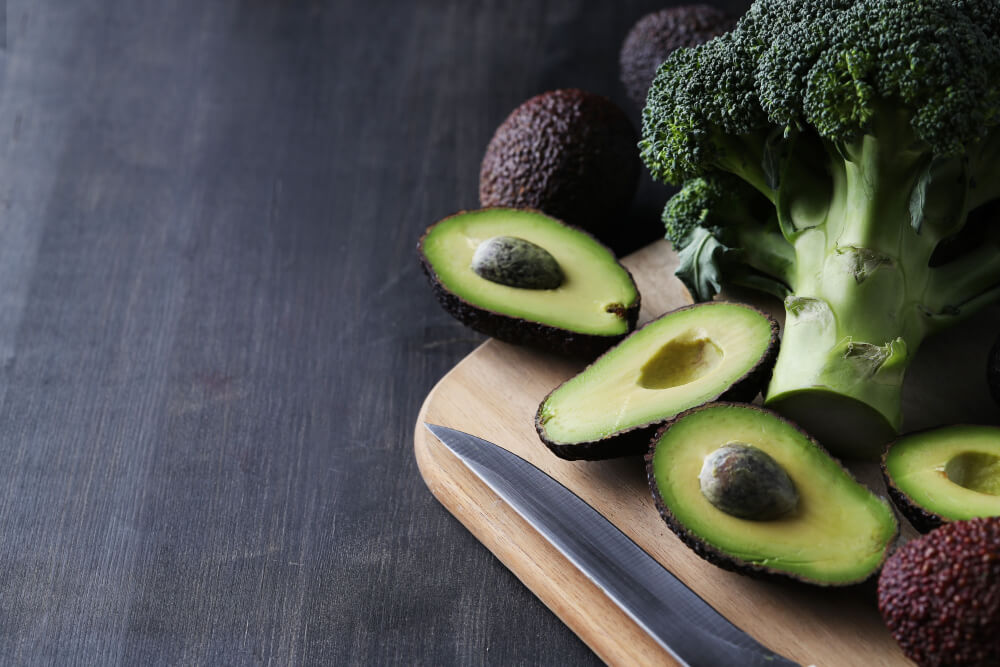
column 939, row 595
column 705, row 550
column 940, row 598
column 635, row 441
column 518, row 331
column 569, row 153
column 918, row 517
column 655, row 35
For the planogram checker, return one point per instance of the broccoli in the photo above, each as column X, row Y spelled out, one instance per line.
column 827, row 149
column 719, row 220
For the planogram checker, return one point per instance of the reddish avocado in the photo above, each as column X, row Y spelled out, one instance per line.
column 940, row 595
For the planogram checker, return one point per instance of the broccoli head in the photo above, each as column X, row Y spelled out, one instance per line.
column 827, row 149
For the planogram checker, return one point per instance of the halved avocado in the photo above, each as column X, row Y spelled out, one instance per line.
column 685, row 358
column 483, row 267
column 944, row 474
column 835, row 533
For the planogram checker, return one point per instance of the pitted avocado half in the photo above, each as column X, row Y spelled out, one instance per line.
column 685, row 358
column 527, row 278
column 945, row 474
column 830, row 531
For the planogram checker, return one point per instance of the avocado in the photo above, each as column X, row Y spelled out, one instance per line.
column 657, row 34
column 526, row 278
column 684, row 358
column 836, row 532
column 569, row 153
column 940, row 595
column 944, row 474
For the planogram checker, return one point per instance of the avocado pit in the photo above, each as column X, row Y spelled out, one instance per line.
column 746, row 482
column 516, row 262
column 680, row 361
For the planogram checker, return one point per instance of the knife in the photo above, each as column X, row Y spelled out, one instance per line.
column 694, row 633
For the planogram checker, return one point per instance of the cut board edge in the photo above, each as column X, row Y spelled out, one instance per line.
column 558, row 584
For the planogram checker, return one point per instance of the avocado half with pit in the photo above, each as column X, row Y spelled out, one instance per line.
column 944, row 474
column 685, row 358
column 750, row 492
column 526, row 278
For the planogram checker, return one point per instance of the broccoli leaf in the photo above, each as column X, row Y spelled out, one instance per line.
column 700, row 267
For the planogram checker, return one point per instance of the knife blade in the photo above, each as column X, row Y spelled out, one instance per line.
column 694, row 633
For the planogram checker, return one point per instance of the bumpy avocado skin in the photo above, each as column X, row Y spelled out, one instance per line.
column 923, row 520
column 657, row 34
column 518, row 331
column 569, row 153
column 940, row 595
column 703, row 549
column 635, row 441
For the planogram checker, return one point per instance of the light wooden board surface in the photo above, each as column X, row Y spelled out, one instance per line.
column 494, row 393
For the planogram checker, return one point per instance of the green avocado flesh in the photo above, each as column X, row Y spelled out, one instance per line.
column 953, row 472
column 680, row 360
column 595, row 290
column 837, row 533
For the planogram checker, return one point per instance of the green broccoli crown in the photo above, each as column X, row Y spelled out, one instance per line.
column 839, row 150
column 832, row 66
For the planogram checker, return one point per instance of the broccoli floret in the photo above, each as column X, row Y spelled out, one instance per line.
column 714, row 202
column 719, row 219
column 863, row 134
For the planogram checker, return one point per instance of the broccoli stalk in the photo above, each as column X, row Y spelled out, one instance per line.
column 830, row 152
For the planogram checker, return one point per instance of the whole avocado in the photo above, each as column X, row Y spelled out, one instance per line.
column 940, row 595
column 657, row 34
column 568, row 153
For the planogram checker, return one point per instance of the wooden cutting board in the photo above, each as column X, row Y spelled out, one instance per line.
column 494, row 393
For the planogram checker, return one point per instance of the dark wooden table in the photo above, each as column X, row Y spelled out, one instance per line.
column 215, row 336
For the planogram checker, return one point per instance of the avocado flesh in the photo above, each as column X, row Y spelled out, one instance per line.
column 685, row 358
column 595, row 293
column 952, row 472
column 838, row 533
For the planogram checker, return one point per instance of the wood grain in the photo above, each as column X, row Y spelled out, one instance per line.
column 494, row 393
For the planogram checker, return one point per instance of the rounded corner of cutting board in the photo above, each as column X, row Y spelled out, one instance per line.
column 565, row 590
column 423, row 440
